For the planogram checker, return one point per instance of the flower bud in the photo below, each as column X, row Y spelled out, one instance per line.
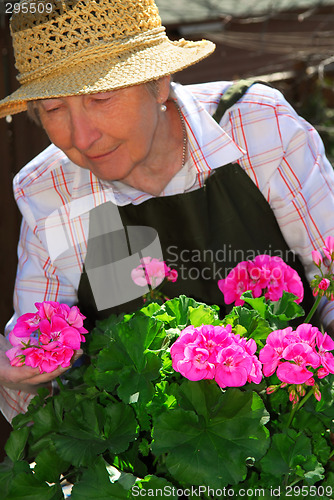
column 317, row 393
column 316, row 257
column 292, row 395
column 324, row 284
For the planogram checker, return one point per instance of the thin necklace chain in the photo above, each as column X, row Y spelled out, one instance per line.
column 184, row 132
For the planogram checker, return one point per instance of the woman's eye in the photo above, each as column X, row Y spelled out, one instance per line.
column 101, row 97
column 51, row 110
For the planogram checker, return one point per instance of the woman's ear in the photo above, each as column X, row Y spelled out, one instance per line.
column 164, row 88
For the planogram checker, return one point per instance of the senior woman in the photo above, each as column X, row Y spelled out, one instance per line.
column 202, row 176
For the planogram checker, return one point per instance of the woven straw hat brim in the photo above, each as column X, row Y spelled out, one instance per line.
column 104, row 75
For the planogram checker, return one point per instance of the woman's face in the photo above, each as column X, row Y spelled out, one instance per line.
column 109, row 133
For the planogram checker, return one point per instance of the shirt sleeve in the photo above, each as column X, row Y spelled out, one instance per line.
column 37, row 280
column 13, row 402
column 291, row 169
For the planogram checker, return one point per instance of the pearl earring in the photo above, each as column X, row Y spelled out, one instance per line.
column 163, row 108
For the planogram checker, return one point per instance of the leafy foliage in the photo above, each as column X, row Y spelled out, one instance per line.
column 125, row 421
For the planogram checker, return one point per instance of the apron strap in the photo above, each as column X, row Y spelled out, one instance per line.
column 232, row 96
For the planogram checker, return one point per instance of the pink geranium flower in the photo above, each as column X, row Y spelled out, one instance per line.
column 265, row 275
column 216, row 352
column 152, row 271
column 49, row 358
column 233, row 367
column 191, row 356
column 272, row 352
column 302, row 355
column 325, row 344
column 293, row 284
column 294, row 354
column 26, row 324
column 59, row 330
column 195, row 352
column 47, row 339
column 235, row 284
column 304, row 333
column 297, row 356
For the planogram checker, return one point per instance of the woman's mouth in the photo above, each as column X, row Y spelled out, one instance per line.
column 101, row 156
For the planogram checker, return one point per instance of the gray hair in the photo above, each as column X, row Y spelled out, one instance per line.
column 33, row 112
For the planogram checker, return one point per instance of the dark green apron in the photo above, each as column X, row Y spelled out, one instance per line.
column 203, row 235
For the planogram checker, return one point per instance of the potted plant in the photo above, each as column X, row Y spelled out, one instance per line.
column 175, row 402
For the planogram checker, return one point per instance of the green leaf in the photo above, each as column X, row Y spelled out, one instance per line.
column 179, row 308
column 321, row 449
column 284, row 310
column 16, row 443
column 152, row 486
column 259, row 303
column 277, row 313
column 28, row 487
column 128, row 362
column 203, row 315
column 95, row 484
column 151, row 309
column 291, row 451
column 45, row 421
column 211, row 448
column 328, row 486
column 79, row 451
column 256, row 327
column 92, row 429
column 163, row 400
column 137, row 386
column 136, row 336
column 79, row 439
column 8, row 472
column 49, row 466
column 120, row 427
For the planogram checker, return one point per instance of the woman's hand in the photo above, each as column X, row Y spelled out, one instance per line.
column 25, row 378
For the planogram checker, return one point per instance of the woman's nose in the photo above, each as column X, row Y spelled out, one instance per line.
column 84, row 132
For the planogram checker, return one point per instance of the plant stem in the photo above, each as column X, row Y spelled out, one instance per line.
column 314, row 308
column 60, row 383
column 298, row 406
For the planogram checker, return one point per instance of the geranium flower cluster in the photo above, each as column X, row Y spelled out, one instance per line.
column 298, row 356
column 265, row 275
column 323, row 284
column 48, row 338
column 215, row 352
column 152, row 271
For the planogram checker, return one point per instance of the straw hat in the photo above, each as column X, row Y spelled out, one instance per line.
column 87, row 46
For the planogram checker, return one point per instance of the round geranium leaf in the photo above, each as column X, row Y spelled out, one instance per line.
column 213, row 449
